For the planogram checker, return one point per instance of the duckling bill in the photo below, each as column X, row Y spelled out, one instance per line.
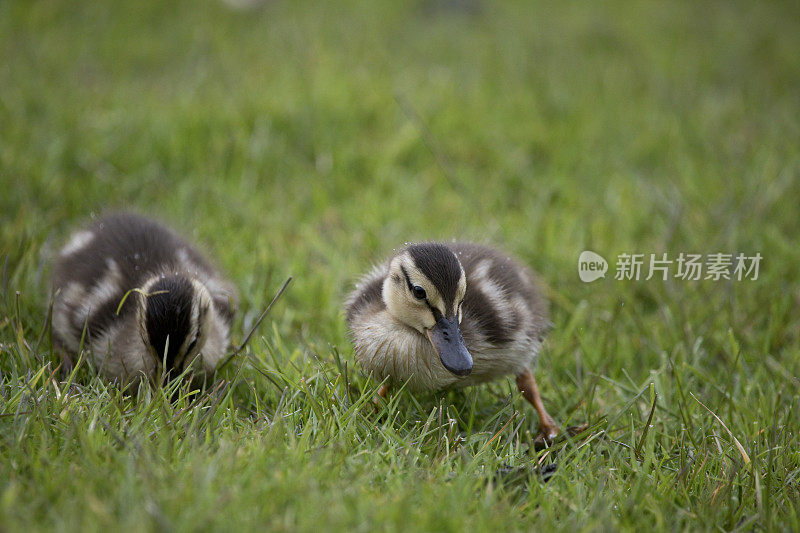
column 140, row 301
column 439, row 315
column 446, row 338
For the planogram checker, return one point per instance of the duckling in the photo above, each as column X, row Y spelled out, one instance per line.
column 140, row 301
column 438, row 315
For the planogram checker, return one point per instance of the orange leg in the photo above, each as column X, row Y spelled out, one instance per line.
column 382, row 393
column 527, row 386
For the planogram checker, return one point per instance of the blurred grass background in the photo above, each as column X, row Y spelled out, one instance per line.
column 310, row 139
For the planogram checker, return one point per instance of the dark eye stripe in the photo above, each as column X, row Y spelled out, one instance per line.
column 408, row 281
column 418, row 292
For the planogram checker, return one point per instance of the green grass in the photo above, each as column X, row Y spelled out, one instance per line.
column 310, row 140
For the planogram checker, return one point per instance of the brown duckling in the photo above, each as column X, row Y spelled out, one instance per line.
column 438, row 315
column 140, row 301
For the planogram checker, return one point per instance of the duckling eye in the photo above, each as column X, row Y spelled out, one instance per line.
column 419, row 292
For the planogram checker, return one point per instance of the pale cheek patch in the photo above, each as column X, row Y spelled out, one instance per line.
column 79, row 241
column 400, row 306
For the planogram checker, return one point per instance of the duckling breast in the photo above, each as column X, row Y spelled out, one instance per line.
column 386, row 348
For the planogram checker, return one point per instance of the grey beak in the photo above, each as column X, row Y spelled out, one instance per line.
column 446, row 338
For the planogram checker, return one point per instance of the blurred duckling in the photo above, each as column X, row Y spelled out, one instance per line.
column 141, row 301
column 438, row 315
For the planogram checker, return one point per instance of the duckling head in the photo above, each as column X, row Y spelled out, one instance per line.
column 425, row 290
column 174, row 320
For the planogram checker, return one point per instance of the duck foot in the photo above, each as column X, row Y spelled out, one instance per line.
column 541, row 442
column 381, row 395
column 548, row 430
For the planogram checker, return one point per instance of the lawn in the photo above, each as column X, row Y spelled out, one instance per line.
column 310, row 139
